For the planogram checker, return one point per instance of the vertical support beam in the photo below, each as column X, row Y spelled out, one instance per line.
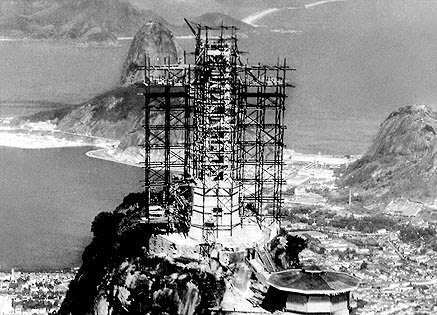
column 187, row 131
column 167, row 144
column 232, row 118
column 147, row 152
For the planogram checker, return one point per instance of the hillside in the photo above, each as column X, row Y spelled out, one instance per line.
column 212, row 19
column 117, row 114
column 79, row 20
column 401, row 162
column 216, row 19
column 98, row 20
column 119, row 276
column 175, row 10
column 157, row 43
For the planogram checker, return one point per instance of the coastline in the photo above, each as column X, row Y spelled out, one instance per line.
column 104, row 154
column 34, row 141
column 118, row 42
column 45, row 136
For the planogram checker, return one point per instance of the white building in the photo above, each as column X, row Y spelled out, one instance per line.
column 312, row 291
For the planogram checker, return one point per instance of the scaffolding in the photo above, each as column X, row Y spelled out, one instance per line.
column 166, row 115
column 261, row 139
column 218, row 125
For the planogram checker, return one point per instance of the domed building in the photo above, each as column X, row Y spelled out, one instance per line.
column 310, row 291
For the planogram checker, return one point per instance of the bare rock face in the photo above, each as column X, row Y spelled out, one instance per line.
column 408, row 131
column 402, row 160
column 119, row 277
column 154, row 42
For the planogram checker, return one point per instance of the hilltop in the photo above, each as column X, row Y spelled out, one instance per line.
column 157, row 43
column 401, row 162
column 120, row 274
column 78, row 20
column 92, row 20
column 216, row 19
column 119, row 113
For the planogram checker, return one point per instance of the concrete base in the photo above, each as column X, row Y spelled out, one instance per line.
column 246, row 236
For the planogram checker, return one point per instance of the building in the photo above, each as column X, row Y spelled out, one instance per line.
column 312, row 291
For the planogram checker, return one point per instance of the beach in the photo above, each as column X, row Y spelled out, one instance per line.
column 111, row 155
column 50, row 139
column 35, row 141
column 46, row 138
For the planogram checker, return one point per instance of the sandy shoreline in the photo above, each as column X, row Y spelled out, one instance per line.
column 104, row 154
column 33, row 141
column 46, row 138
column 49, row 139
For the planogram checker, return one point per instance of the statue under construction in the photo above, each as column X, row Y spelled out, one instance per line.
column 215, row 127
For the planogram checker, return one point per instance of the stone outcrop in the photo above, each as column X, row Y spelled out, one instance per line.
column 154, row 42
column 118, row 276
column 402, row 160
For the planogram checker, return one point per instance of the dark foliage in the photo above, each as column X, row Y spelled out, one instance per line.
column 411, row 234
column 121, row 237
column 274, row 300
column 295, row 245
column 365, row 224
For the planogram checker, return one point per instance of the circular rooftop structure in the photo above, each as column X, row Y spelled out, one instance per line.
column 313, row 280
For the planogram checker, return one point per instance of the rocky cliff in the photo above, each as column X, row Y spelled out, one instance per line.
column 118, row 275
column 78, row 20
column 402, row 160
column 157, row 43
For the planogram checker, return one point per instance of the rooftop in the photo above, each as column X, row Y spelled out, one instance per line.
column 312, row 280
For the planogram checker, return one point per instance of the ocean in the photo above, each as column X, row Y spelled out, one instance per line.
column 48, row 200
column 355, row 63
column 347, row 79
column 41, row 75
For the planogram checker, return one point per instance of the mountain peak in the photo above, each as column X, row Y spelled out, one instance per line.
column 402, row 160
column 155, row 42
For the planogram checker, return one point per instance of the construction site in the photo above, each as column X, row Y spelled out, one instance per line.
column 216, row 152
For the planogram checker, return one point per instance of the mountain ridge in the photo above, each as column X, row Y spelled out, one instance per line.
column 92, row 20
column 82, row 20
column 217, row 19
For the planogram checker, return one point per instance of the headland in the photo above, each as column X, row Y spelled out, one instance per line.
column 44, row 135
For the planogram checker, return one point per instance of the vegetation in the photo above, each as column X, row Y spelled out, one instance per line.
column 285, row 249
column 82, row 20
column 400, row 162
column 366, row 224
column 295, row 245
column 118, row 251
column 427, row 236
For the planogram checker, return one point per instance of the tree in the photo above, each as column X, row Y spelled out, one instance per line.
column 295, row 245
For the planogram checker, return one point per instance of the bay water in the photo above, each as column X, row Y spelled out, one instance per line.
column 48, row 199
column 352, row 70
